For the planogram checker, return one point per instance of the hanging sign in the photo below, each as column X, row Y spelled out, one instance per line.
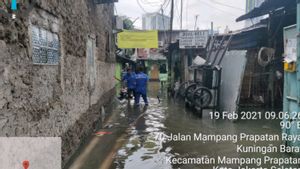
column 138, row 39
column 193, row 39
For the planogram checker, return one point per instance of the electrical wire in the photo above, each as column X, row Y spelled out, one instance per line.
column 177, row 11
column 163, row 5
column 147, row 2
column 229, row 6
column 140, row 5
column 227, row 12
column 153, row 4
column 166, row 4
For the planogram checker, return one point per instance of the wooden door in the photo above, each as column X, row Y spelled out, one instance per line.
column 154, row 72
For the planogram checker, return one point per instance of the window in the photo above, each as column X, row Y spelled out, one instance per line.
column 45, row 46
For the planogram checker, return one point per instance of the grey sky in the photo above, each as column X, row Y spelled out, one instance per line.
column 221, row 12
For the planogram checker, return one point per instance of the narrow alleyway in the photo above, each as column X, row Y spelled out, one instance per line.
column 136, row 144
column 65, row 65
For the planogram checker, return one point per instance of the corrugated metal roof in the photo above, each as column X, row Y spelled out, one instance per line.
column 268, row 6
column 247, row 38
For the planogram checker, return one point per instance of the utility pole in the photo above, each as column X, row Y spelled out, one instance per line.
column 169, row 50
column 212, row 28
column 196, row 19
column 171, row 20
column 181, row 12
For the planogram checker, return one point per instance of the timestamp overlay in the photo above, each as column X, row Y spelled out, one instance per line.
column 30, row 153
column 244, row 140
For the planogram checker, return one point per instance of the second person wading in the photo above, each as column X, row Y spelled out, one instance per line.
column 141, row 86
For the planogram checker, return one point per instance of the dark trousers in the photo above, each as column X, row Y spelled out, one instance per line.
column 131, row 93
column 137, row 97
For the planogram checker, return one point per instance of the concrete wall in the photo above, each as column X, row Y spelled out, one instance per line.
column 57, row 100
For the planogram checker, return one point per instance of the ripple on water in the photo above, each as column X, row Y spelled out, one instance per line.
column 143, row 149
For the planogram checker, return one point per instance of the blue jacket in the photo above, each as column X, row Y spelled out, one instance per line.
column 141, row 83
column 130, row 79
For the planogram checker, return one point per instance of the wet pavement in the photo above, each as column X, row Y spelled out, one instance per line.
column 134, row 140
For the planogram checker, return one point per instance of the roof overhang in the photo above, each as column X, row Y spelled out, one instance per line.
column 248, row 38
column 267, row 7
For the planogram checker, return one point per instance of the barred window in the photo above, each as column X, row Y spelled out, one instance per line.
column 45, row 46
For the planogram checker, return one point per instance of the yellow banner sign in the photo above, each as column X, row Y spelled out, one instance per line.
column 140, row 39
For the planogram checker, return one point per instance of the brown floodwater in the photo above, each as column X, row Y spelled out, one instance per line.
column 134, row 142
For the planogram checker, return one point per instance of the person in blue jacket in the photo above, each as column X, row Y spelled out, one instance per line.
column 129, row 77
column 141, row 86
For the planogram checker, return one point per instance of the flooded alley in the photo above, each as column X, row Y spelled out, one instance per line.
column 143, row 144
column 150, row 84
